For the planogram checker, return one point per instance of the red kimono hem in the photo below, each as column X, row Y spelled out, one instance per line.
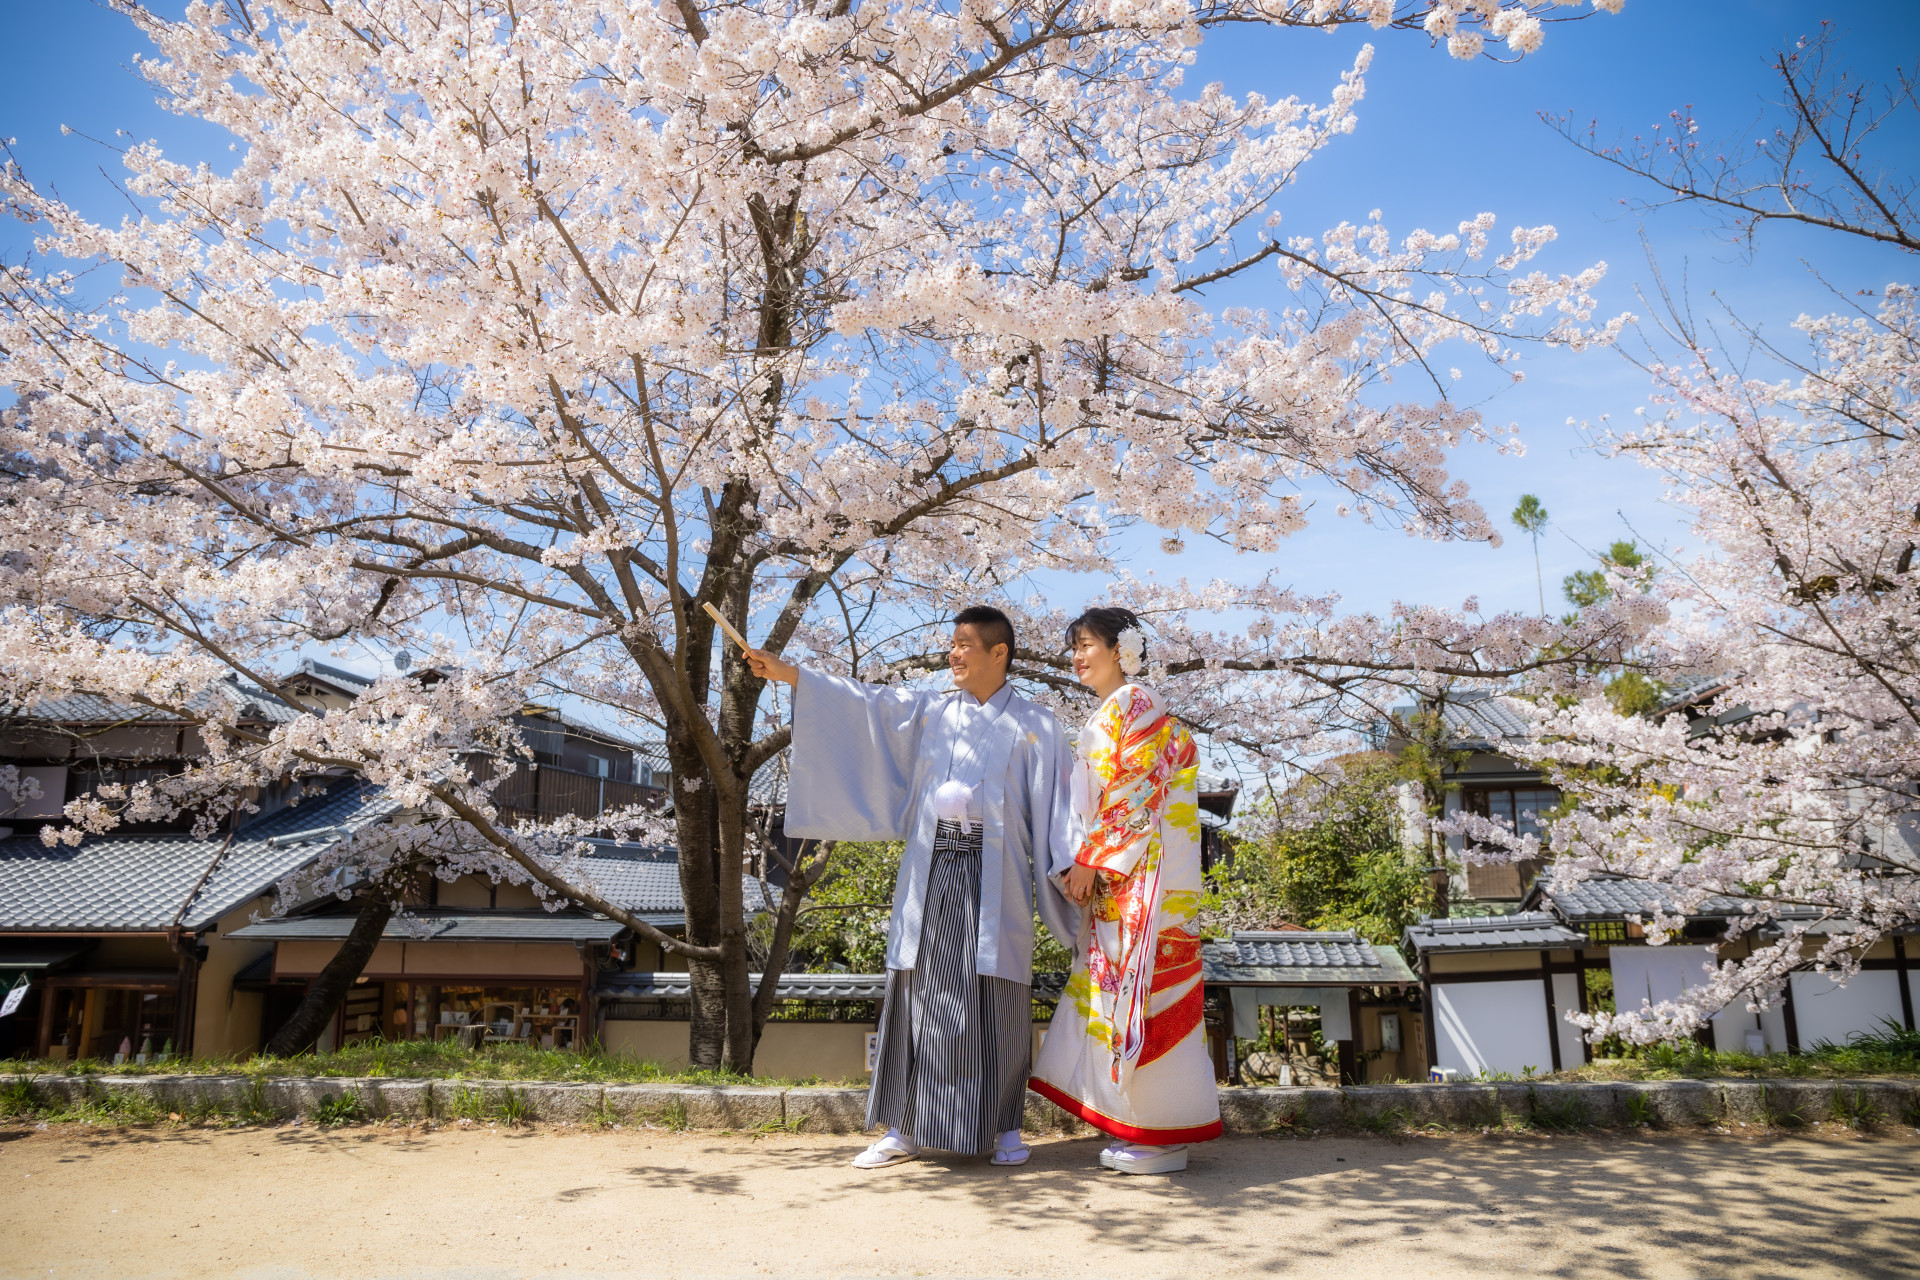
column 1120, row 1129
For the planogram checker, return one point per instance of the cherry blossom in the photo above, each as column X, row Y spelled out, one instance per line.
column 515, row 333
column 1789, row 787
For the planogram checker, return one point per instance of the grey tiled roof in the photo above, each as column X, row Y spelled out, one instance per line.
column 138, row 882
column 645, row 879
column 337, row 675
column 1482, row 717
column 85, row 708
column 768, row 785
column 446, row 926
column 1272, row 959
column 1521, row 931
column 1606, row 897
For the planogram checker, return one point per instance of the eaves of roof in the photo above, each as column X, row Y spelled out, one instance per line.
column 1301, row 958
column 446, row 926
column 1528, row 931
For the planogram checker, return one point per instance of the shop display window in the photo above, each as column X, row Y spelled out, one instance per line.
column 548, row 1017
column 141, row 1021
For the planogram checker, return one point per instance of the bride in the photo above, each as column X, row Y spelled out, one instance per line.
column 1127, row 1050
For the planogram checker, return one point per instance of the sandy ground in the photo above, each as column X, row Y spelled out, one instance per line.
column 299, row 1202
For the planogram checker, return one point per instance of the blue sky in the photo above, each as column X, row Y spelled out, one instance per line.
column 1438, row 141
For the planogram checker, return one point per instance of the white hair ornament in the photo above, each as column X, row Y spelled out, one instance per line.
column 1133, row 651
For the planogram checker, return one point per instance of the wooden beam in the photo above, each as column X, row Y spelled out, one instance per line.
column 43, row 1037
column 1492, row 975
column 1553, row 1021
column 1580, row 993
column 1426, row 1000
column 185, row 1000
column 1793, row 1023
column 1350, row 1047
column 1900, row 973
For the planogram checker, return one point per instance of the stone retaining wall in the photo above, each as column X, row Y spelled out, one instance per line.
column 1380, row 1108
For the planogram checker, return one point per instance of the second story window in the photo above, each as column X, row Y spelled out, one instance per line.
column 597, row 766
column 1519, row 808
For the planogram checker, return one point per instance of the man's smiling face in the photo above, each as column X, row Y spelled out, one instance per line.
column 978, row 669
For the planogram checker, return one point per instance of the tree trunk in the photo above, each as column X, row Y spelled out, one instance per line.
column 696, row 831
column 330, row 987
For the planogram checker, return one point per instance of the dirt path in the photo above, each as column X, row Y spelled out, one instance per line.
column 296, row 1202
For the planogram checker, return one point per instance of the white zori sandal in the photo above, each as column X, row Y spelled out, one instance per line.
column 894, row 1148
column 1137, row 1157
column 1108, row 1152
column 1009, row 1149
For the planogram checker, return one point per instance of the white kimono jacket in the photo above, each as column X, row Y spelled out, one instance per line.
column 866, row 762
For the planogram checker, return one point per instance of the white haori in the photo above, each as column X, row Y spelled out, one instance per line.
column 868, row 761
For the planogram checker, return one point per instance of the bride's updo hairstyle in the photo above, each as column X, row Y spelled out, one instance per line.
column 1107, row 624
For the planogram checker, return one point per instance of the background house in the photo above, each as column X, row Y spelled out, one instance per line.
column 149, row 933
column 1500, row 987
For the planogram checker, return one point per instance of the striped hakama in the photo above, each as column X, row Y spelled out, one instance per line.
column 955, row 1047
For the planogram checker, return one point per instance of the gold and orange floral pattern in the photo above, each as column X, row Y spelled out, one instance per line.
column 1127, row 1048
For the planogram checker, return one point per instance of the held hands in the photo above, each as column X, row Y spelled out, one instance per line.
column 772, row 667
column 1079, row 884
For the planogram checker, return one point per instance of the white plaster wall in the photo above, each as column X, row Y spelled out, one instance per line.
column 1774, row 1022
column 1663, row 973
column 1653, row 974
column 1566, row 1000
column 1825, row 1010
column 1491, row 1026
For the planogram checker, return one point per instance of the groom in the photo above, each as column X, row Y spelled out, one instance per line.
column 975, row 782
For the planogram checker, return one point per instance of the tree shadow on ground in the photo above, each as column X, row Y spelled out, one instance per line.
column 1567, row 1207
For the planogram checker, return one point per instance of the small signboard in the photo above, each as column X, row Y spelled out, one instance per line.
column 873, row 1051
column 15, row 994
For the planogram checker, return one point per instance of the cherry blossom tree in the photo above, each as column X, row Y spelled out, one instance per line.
column 1791, row 785
column 519, row 330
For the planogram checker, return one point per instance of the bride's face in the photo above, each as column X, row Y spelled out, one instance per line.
column 1095, row 662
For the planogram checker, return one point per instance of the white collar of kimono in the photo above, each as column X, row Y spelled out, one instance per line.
column 992, row 706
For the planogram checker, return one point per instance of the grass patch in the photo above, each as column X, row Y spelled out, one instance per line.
column 18, row 1097
column 1777, row 1115
column 1560, row 1115
column 1640, row 1112
column 1853, row 1108
column 429, row 1060
column 1891, row 1051
column 514, row 1107
column 337, row 1109
column 466, row 1103
column 1384, row 1121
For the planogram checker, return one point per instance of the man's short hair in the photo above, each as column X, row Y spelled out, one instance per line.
column 993, row 626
